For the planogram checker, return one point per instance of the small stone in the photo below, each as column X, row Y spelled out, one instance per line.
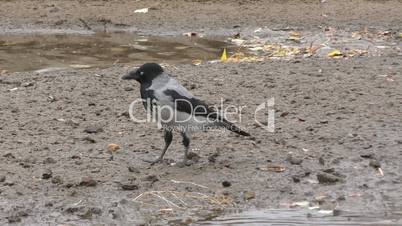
column 226, row 184
column 112, row 148
column 249, row 195
column 9, row 155
column 321, row 160
column 129, row 187
column 49, row 160
column 47, row 174
column 93, row 129
column 212, row 157
column 88, row 182
column 72, row 123
column 133, row 169
column 375, row 163
column 151, row 178
column 9, row 183
column 89, row 212
column 125, row 114
column 89, row 139
column 57, row 180
column 296, row 179
column 2, row 178
column 326, row 178
column 13, row 219
column 129, row 88
column 367, row 155
column 27, row 84
column 294, row 160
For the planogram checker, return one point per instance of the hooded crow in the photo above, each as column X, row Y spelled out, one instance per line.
column 175, row 108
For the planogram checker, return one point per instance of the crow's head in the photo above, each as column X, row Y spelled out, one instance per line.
column 146, row 73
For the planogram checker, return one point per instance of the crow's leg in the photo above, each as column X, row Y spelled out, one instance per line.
column 168, row 136
column 186, row 143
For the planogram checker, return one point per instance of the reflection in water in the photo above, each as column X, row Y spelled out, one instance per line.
column 303, row 217
column 32, row 52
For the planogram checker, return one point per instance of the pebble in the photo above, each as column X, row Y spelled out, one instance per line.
column 249, row 195
column 49, row 160
column 212, row 157
column 88, row 182
column 151, row 178
column 89, row 139
column 2, row 178
column 294, row 160
column 112, row 148
column 133, row 169
column 87, row 213
column 296, row 179
column 57, row 180
column 27, row 84
column 226, row 184
column 47, row 174
column 93, row 129
column 321, row 160
column 13, row 219
column 375, row 163
column 326, row 178
column 129, row 187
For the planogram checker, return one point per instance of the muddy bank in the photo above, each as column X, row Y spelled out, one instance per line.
column 211, row 17
column 333, row 117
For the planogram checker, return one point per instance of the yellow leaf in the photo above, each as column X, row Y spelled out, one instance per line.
column 335, row 53
column 294, row 33
column 224, row 56
column 197, row 62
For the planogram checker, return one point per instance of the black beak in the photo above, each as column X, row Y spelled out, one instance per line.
column 130, row 75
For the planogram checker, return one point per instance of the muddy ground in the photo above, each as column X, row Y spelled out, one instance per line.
column 337, row 121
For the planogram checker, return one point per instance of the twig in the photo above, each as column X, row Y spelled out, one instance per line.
column 170, row 203
column 188, row 182
column 85, row 24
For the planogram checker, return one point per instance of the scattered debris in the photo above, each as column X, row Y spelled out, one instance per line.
column 143, row 10
column 224, row 56
column 80, row 66
column 335, row 54
column 247, row 195
column 191, row 34
column 272, row 168
column 187, row 182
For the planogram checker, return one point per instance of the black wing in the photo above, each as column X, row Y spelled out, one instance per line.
column 192, row 105
column 197, row 107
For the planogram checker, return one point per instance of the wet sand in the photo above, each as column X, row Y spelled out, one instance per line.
column 337, row 120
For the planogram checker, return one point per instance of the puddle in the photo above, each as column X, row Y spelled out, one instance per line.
column 27, row 52
column 302, row 217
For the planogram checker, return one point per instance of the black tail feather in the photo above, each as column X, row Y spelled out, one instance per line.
column 232, row 127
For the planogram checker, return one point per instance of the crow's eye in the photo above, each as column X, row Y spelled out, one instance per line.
column 141, row 73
